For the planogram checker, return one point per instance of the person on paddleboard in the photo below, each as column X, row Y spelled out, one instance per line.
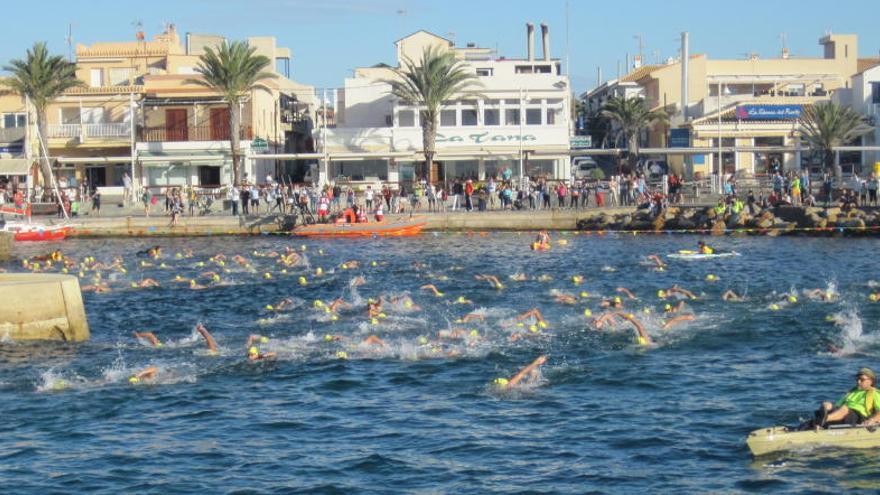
column 704, row 248
column 860, row 406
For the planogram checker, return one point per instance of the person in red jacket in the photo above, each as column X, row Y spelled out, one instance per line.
column 468, row 192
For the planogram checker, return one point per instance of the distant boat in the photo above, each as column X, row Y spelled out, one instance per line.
column 397, row 228
column 35, row 231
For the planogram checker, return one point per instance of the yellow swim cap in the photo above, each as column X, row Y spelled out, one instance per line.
column 158, row 344
column 641, row 340
column 475, row 333
column 873, row 297
column 711, row 277
column 267, row 275
column 533, row 328
column 303, row 281
column 134, row 379
column 319, row 271
column 215, row 278
column 374, row 321
column 407, row 303
column 501, row 382
column 270, row 307
column 264, row 340
column 134, row 285
column 334, row 318
column 584, row 294
column 792, row 299
column 667, row 307
column 542, row 324
column 373, row 263
column 422, row 340
column 617, row 299
column 342, row 355
column 318, row 303
column 328, row 338
column 253, row 351
column 588, row 313
column 661, row 294
column 774, row 307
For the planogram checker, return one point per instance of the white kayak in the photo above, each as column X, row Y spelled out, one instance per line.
column 779, row 438
column 695, row 255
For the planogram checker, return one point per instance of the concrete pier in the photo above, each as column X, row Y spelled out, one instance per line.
column 42, row 307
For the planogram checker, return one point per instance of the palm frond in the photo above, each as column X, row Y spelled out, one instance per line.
column 232, row 69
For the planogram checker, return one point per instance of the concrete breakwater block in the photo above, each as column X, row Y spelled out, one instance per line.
column 42, row 307
column 6, row 239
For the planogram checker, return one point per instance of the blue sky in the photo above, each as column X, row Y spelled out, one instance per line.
column 330, row 37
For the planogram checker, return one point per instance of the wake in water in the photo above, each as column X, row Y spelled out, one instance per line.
column 852, row 338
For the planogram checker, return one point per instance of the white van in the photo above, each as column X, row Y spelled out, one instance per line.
column 582, row 167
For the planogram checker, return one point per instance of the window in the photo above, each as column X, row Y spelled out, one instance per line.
column 533, row 116
column 543, row 69
column 551, row 116
column 447, row 118
column 469, row 116
column 96, row 78
column 523, row 69
column 875, row 93
column 511, row 116
column 11, row 120
column 484, row 72
column 93, row 115
column 120, row 76
column 406, row 118
column 70, row 115
column 491, row 116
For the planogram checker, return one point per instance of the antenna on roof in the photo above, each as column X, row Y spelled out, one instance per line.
column 138, row 26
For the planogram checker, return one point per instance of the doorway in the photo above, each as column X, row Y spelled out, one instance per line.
column 175, row 125
column 219, row 124
column 209, row 176
column 96, row 176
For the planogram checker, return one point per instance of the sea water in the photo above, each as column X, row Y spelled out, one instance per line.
column 420, row 414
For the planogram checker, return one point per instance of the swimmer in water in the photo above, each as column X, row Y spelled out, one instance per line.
column 821, row 294
column 668, row 308
column 731, row 296
column 373, row 340
column 145, row 374
column 212, row 344
column 406, row 302
column 149, row 336
column 350, row 265
column 195, row 285
column 432, row 288
column 98, row 288
column 357, row 281
column 518, row 277
column 254, row 354
column 147, row 282
column 532, row 313
column 492, row 279
column 627, row 292
column 338, row 303
column 472, row 316
column 530, row 373
column 658, row 263
column 566, row 298
column 604, row 319
column 614, row 302
column 643, row 338
column 677, row 290
column 676, row 320
column 462, row 300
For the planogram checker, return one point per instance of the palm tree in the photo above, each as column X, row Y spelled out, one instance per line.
column 41, row 77
column 827, row 125
column 631, row 115
column 233, row 70
column 435, row 78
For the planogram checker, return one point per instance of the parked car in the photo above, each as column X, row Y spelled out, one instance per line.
column 582, row 167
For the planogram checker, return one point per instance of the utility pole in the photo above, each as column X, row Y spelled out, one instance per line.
column 69, row 40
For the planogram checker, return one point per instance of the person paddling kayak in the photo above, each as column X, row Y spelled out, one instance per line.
column 860, row 406
column 704, row 248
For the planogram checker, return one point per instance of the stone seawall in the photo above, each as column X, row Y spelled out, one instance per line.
column 42, row 307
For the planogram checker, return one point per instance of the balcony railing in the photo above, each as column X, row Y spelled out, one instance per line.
column 96, row 131
column 192, row 133
column 12, row 134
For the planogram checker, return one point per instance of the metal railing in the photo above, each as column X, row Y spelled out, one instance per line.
column 100, row 130
column 192, row 133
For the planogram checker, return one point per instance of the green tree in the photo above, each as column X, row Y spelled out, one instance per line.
column 233, row 70
column 41, row 77
column 630, row 116
column 435, row 78
column 828, row 125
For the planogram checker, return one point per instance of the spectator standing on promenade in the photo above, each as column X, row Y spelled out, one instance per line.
column 147, row 198
column 873, row 185
column 96, row 202
column 827, row 186
column 126, row 188
column 232, row 195
column 245, row 196
column 468, row 193
column 492, row 188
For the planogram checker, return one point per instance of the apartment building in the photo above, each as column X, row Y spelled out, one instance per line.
column 140, row 112
column 750, row 102
column 516, row 118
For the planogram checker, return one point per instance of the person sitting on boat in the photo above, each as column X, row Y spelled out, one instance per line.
column 705, row 249
column 349, row 215
column 323, row 207
column 361, row 215
column 379, row 215
column 860, row 406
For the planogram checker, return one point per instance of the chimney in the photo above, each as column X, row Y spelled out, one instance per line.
column 530, row 31
column 545, row 41
column 785, row 53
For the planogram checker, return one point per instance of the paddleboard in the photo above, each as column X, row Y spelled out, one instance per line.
column 694, row 255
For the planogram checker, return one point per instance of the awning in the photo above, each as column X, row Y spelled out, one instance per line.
column 14, row 166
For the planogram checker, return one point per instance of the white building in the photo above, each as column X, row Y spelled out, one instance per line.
column 866, row 100
column 517, row 118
